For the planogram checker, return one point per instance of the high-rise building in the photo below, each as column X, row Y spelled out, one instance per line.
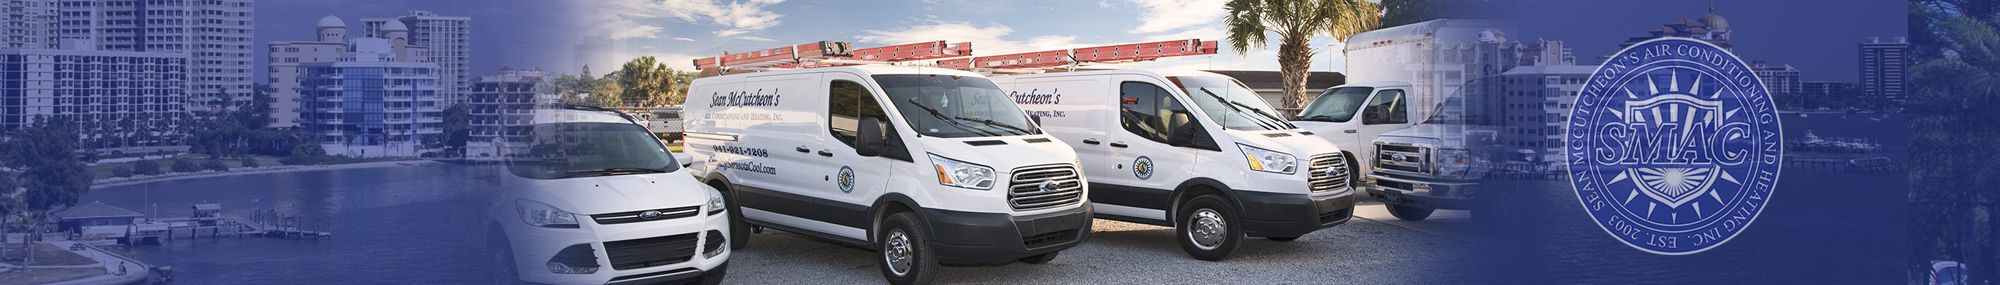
column 283, row 70
column 502, row 107
column 1782, row 80
column 1531, row 104
column 121, row 98
column 1884, row 64
column 372, row 102
column 28, row 24
column 1816, row 94
column 447, row 37
column 214, row 34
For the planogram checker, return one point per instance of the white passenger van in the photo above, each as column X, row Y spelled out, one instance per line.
column 1197, row 151
column 595, row 199
column 926, row 165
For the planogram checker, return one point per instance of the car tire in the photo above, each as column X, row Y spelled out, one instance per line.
column 1353, row 171
column 1044, row 258
column 904, row 245
column 739, row 230
column 1220, row 233
column 502, row 253
column 1282, row 239
column 714, row 276
column 1408, row 213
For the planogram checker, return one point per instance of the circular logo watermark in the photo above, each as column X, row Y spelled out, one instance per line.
column 1143, row 168
column 1673, row 146
column 845, row 179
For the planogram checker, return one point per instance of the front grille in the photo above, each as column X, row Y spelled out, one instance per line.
column 649, row 252
column 1048, row 239
column 1328, row 173
column 1412, row 158
column 639, row 216
column 1026, row 193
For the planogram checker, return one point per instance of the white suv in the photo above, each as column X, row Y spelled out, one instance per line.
column 595, row 198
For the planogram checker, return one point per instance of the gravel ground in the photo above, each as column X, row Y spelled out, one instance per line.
column 1363, row 251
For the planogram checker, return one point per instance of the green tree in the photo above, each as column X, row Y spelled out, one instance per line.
column 1296, row 22
column 647, row 83
column 50, row 170
column 146, row 167
column 305, row 154
column 457, row 130
column 9, row 206
column 186, row 165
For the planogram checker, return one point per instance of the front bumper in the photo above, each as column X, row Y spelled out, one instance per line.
column 1423, row 193
column 534, row 247
column 1268, row 214
column 971, row 238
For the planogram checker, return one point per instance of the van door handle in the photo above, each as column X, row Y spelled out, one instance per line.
column 825, row 153
column 803, row 150
column 1118, row 145
column 1090, row 141
column 1349, row 131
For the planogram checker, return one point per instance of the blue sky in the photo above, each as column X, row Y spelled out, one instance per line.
column 680, row 30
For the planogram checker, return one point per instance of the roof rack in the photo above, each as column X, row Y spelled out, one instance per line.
column 828, row 53
column 1070, row 59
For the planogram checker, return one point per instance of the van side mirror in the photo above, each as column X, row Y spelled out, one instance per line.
column 870, row 141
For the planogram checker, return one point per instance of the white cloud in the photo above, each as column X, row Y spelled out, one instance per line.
column 756, row 38
column 684, row 39
column 1168, row 15
column 734, row 17
column 622, row 28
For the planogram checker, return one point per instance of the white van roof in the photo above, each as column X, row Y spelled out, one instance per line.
column 870, row 69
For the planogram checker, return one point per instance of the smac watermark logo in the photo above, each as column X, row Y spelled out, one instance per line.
column 1673, row 146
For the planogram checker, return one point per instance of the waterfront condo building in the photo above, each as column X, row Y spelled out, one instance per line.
column 119, row 99
column 502, row 107
column 328, row 45
column 214, row 35
column 28, row 24
column 447, row 37
column 372, row 102
column 1884, row 64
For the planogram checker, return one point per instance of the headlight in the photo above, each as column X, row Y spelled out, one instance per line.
column 543, row 215
column 1453, row 162
column 1269, row 161
column 962, row 174
column 715, row 202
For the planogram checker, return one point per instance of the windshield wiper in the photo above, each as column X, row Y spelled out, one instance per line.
column 1266, row 122
column 609, row 171
column 1322, row 118
column 990, row 122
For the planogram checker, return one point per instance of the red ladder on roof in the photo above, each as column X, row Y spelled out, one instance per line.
column 1074, row 57
column 833, row 53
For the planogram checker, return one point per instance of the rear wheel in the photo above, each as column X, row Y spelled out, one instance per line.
column 906, row 251
column 1408, row 213
column 1040, row 259
column 1207, row 229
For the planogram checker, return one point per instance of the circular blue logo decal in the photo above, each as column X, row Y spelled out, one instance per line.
column 1673, row 146
column 1143, row 168
column 845, row 179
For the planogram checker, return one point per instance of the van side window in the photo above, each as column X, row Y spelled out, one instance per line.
column 1151, row 112
column 850, row 101
column 1388, row 107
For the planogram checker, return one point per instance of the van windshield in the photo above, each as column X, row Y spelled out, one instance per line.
column 955, row 106
column 584, row 149
column 1336, row 105
column 1229, row 103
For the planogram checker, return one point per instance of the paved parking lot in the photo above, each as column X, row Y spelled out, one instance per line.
column 1374, row 248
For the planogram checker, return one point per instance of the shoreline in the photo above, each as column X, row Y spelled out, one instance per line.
column 119, row 182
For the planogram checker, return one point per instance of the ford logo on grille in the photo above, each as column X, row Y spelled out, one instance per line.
column 1332, row 171
column 1048, row 186
column 1399, row 157
column 650, row 215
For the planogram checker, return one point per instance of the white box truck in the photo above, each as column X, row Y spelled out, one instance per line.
column 927, row 166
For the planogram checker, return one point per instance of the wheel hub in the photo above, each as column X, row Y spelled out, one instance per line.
column 897, row 251
column 1207, row 228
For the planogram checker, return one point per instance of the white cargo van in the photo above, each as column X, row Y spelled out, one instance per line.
column 926, row 165
column 1198, row 151
column 596, row 199
column 1396, row 76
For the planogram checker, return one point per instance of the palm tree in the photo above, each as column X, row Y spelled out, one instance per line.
column 1296, row 22
column 1954, row 86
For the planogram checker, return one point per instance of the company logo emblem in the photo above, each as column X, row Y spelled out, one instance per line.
column 650, row 215
column 845, row 179
column 1048, row 186
column 1399, row 157
column 1143, row 168
column 1673, row 146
